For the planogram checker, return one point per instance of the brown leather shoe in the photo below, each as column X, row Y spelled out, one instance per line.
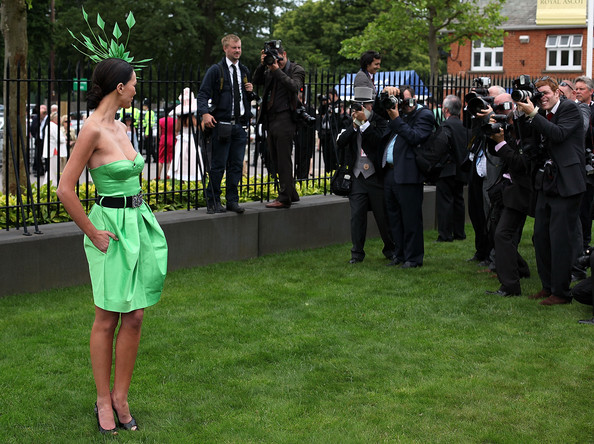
column 540, row 295
column 555, row 300
column 277, row 204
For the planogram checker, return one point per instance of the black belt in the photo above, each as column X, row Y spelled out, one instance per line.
column 120, row 202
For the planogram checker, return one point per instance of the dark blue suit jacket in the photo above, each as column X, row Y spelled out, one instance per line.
column 412, row 129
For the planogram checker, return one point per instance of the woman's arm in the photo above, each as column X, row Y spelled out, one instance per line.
column 83, row 149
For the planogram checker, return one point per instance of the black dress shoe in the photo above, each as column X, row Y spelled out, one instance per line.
column 394, row 262
column 234, row 206
column 502, row 293
column 101, row 429
column 355, row 261
column 474, row 258
column 210, row 210
column 410, row 265
column 219, row 208
column 441, row 239
column 586, row 321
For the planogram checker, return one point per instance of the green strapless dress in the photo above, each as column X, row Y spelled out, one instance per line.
column 130, row 275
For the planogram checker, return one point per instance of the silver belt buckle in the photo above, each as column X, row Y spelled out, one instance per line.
column 137, row 200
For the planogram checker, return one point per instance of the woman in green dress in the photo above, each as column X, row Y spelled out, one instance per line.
column 124, row 244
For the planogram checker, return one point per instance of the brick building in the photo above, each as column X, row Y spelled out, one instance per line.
column 533, row 44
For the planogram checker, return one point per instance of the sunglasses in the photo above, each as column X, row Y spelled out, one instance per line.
column 567, row 84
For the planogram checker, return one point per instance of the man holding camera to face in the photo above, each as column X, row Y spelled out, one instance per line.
column 282, row 81
column 360, row 147
column 559, row 183
column 409, row 125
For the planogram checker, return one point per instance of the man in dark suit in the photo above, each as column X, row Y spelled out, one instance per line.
column 282, row 81
column 559, row 184
column 515, row 196
column 227, row 117
column 38, row 124
column 450, row 185
column 410, row 124
column 360, row 144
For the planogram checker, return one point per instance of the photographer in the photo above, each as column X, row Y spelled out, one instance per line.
column 332, row 115
column 227, row 86
column 410, row 125
column 359, row 146
column 513, row 194
column 282, row 81
column 559, row 183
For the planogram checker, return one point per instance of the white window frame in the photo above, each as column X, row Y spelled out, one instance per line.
column 562, row 52
column 487, row 57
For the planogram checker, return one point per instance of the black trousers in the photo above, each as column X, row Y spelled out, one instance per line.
column 450, row 208
column 555, row 224
column 281, row 131
column 586, row 215
column 368, row 194
column 509, row 263
column 476, row 212
column 404, row 206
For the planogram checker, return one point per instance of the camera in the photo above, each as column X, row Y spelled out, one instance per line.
column 271, row 52
column 479, row 99
column 301, row 116
column 356, row 106
column 584, row 260
column 388, row 101
column 524, row 89
column 494, row 128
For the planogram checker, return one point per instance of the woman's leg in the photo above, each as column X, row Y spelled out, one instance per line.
column 101, row 345
column 126, row 349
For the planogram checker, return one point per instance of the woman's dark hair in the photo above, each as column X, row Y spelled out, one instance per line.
column 106, row 77
column 367, row 58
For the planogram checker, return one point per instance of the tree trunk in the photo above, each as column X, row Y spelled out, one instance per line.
column 13, row 20
column 432, row 44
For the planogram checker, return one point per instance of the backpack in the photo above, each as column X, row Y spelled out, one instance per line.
column 432, row 155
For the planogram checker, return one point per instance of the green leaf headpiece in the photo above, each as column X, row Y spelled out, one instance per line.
column 101, row 49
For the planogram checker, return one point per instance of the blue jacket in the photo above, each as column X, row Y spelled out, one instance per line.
column 412, row 129
column 222, row 99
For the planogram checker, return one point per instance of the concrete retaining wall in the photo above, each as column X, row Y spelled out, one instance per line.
column 56, row 258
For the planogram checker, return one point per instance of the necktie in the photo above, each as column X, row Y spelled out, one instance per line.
column 236, row 95
column 550, row 116
column 389, row 152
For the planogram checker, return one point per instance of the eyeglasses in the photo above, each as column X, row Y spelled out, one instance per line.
column 568, row 85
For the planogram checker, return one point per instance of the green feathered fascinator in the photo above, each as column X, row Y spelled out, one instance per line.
column 101, row 49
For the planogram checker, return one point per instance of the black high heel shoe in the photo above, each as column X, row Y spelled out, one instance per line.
column 101, row 429
column 127, row 426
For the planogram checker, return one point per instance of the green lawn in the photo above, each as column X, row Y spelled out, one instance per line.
column 304, row 348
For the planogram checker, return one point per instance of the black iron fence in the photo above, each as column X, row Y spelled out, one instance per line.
column 177, row 179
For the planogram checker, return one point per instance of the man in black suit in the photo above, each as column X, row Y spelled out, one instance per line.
column 360, row 144
column 450, row 185
column 410, row 125
column 584, row 87
column 515, row 192
column 38, row 124
column 282, row 80
column 224, row 104
column 559, row 183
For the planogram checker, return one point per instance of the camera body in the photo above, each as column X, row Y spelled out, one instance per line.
column 525, row 89
column 301, row 116
column 271, row 54
column 494, row 128
column 478, row 98
column 388, row 101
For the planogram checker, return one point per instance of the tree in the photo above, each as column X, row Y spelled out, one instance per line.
column 13, row 21
column 312, row 33
column 429, row 25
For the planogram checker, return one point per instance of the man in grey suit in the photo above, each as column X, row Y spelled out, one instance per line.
column 559, row 183
column 370, row 64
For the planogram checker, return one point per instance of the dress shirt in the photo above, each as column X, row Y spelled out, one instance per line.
column 238, row 80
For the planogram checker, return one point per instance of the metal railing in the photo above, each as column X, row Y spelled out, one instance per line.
column 34, row 202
